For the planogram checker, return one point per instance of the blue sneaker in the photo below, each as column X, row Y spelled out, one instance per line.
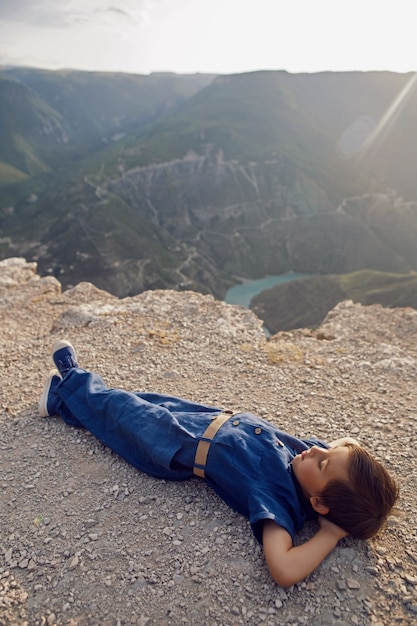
column 49, row 397
column 64, row 357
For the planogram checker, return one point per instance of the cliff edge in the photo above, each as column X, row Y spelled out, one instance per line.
column 86, row 539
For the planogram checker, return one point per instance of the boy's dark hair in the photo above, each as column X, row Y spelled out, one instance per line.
column 362, row 505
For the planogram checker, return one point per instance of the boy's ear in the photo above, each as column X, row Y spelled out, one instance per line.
column 318, row 505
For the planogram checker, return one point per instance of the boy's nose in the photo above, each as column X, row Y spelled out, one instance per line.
column 316, row 450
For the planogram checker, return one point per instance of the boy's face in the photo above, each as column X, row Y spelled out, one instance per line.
column 315, row 467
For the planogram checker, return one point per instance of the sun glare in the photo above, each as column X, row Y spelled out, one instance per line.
column 365, row 133
column 384, row 125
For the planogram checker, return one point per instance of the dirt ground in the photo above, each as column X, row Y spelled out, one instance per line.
column 85, row 539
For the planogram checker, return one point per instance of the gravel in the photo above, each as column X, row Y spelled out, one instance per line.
column 85, row 539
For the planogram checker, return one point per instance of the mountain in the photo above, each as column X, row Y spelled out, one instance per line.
column 192, row 181
column 305, row 302
column 29, row 127
column 53, row 117
column 317, row 121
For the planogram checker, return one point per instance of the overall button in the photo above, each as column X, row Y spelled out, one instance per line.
column 258, row 431
column 235, row 422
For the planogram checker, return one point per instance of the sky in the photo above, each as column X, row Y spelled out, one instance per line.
column 209, row 36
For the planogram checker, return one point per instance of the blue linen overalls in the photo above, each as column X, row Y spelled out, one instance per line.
column 248, row 461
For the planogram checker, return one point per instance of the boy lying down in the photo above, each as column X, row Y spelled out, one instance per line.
column 275, row 479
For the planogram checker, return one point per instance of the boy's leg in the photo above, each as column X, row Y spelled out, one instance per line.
column 144, row 434
column 177, row 405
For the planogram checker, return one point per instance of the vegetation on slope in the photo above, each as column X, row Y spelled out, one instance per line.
column 305, row 302
column 133, row 182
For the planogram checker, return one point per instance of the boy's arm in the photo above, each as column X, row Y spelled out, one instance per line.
column 288, row 564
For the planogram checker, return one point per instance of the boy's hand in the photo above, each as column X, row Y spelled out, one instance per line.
column 289, row 564
column 331, row 528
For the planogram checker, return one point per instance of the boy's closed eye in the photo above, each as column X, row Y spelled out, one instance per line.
column 315, row 467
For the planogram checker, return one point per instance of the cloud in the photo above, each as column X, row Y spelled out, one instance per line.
column 6, row 58
column 35, row 12
column 118, row 12
column 215, row 36
column 61, row 13
column 110, row 16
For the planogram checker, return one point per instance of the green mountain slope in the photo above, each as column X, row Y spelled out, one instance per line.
column 176, row 181
column 248, row 118
column 305, row 302
column 49, row 117
column 29, row 130
column 307, row 119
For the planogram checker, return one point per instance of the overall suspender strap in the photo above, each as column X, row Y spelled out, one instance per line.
column 205, row 442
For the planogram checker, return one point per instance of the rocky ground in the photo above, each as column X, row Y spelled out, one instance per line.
column 87, row 540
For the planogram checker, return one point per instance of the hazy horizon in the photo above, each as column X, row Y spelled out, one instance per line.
column 216, row 37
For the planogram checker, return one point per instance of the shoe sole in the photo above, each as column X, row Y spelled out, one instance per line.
column 43, row 400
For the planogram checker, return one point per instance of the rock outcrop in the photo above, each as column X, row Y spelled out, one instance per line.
column 85, row 539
